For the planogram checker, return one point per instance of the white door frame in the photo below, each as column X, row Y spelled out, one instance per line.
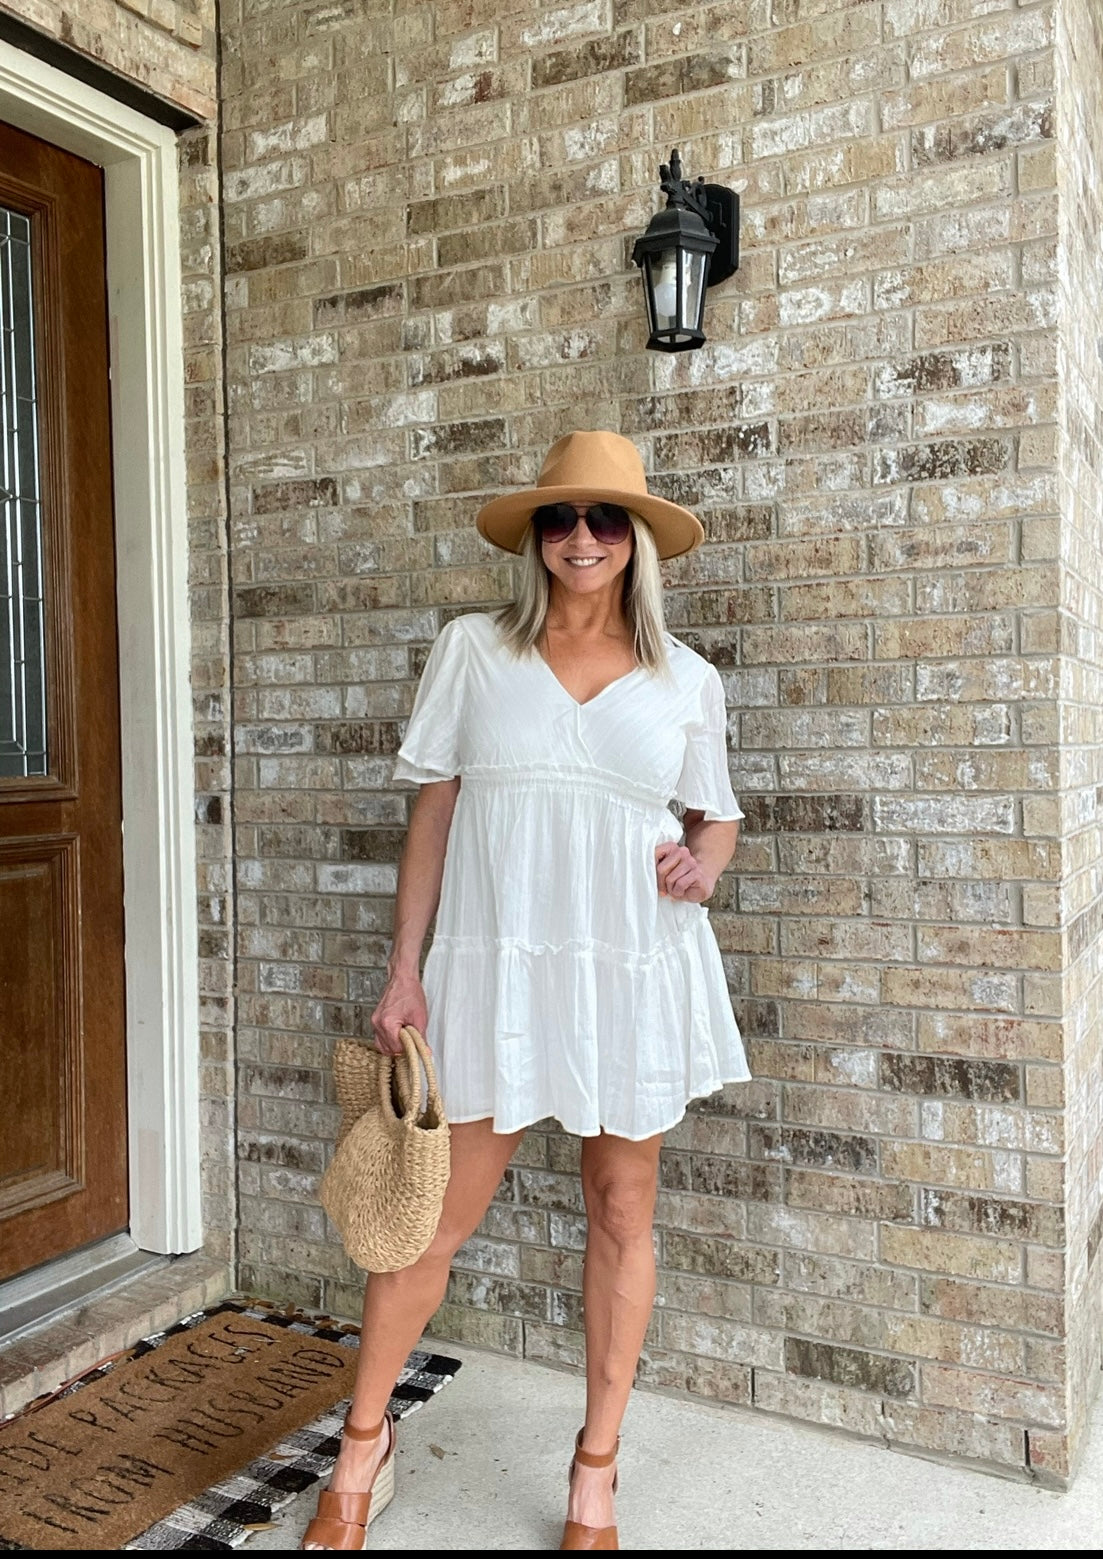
column 147, row 400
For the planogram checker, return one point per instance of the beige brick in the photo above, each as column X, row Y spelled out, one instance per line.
column 850, row 1110
column 994, row 1261
column 986, row 771
column 992, row 1126
column 820, row 1402
column 845, row 939
column 976, row 635
column 943, row 546
column 1045, row 1269
column 956, row 1433
column 927, row 1164
column 937, row 98
column 845, row 982
column 979, row 990
column 1045, row 1180
column 825, row 37
column 1043, row 995
column 713, row 1337
column 845, row 1194
column 706, row 1215
column 821, row 1232
column 993, row 1395
column 999, row 1038
column 1049, row 1455
column 1045, row 1087
column 802, row 559
column 809, row 642
column 995, row 949
column 1013, row 1308
column 855, row 1281
column 721, row 1379
column 1036, row 168
column 986, row 39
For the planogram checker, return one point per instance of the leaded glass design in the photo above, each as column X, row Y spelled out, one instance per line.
column 22, row 629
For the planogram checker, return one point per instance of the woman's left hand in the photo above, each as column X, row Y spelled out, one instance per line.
column 681, row 875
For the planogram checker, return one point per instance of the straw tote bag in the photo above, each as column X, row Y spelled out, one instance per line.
column 385, row 1186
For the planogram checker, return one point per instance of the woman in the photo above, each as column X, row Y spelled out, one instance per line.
column 573, row 972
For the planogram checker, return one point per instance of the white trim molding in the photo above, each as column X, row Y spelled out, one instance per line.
column 147, row 388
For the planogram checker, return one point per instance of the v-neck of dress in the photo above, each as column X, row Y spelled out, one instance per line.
column 584, row 703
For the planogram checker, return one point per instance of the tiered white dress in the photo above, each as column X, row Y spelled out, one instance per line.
column 559, row 982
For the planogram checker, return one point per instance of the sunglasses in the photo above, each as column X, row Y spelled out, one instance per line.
column 607, row 522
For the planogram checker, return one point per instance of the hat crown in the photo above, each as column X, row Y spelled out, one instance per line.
column 591, row 467
column 606, row 462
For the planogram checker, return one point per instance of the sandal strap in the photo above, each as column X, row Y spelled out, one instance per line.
column 575, row 1535
column 589, row 1459
column 328, row 1532
column 350, row 1509
column 353, row 1433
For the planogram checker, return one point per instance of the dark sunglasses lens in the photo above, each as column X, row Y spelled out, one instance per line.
column 608, row 523
column 555, row 521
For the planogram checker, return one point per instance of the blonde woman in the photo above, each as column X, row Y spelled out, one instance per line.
column 573, row 972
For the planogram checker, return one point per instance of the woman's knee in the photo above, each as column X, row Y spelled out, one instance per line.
column 446, row 1241
column 621, row 1208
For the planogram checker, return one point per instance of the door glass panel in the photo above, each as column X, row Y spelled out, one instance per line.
column 22, row 636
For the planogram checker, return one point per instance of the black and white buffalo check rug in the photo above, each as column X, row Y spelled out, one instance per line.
column 226, row 1514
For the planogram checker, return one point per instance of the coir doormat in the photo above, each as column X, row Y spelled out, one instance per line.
column 191, row 1439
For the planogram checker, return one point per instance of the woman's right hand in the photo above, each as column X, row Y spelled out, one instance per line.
column 402, row 1002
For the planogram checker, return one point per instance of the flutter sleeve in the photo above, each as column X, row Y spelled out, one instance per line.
column 430, row 750
column 704, row 784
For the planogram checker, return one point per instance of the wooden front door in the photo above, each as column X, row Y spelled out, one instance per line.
column 63, row 1159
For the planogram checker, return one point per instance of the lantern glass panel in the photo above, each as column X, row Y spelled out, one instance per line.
column 649, row 271
column 694, row 270
column 664, row 289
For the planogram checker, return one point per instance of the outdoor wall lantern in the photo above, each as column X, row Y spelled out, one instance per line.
column 687, row 248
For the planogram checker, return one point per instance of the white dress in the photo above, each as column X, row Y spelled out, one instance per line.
column 559, row 982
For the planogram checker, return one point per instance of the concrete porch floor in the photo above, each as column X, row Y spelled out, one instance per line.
column 693, row 1476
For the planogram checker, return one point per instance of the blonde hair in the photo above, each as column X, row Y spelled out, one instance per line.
column 522, row 622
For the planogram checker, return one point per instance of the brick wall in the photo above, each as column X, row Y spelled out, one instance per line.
column 1080, row 97
column 429, row 220
column 169, row 48
column 166, row 46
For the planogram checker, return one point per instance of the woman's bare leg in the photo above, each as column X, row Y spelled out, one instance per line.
column 399, row 1305
column 619, row 1181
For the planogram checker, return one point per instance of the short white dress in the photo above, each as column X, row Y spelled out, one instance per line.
column 559, row 982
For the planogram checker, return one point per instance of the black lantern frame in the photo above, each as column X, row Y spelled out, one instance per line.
column 690, row 246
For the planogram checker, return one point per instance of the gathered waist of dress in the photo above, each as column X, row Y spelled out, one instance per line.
column 566, row 779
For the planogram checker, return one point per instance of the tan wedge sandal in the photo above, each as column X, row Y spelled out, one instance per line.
column 343, row 1519
column 575, row 1534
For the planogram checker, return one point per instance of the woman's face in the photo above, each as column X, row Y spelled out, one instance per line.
column 582, row 564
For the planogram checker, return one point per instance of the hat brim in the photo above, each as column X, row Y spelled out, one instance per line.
column 504, row 521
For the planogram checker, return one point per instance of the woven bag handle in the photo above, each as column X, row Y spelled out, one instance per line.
column 417, row 1056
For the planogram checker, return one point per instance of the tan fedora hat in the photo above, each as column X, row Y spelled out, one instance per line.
column 595, row 468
